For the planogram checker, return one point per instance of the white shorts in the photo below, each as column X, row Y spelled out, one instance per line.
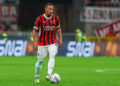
column 50, row 50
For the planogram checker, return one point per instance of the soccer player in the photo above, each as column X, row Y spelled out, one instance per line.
column 48, row 24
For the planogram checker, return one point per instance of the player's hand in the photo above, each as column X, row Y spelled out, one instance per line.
column 60, row 43
column 35, row 45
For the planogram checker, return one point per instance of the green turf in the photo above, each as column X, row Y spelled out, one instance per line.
column 16, row 71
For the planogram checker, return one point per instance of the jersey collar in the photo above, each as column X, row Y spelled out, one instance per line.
column 47, row 17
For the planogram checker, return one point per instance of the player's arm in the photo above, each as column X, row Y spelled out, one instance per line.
column 60, row 36
column 34, row 33
column 59, row 32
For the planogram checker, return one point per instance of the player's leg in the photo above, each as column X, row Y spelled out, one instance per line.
column 52, row 49
column 38, row 66
column 41, row 54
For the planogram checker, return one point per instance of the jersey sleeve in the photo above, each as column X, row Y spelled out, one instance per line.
column 37, row 23
column 58, row 23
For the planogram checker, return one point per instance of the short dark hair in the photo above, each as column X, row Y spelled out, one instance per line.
column 46, row 5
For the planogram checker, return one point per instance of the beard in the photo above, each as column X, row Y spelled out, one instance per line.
column 49, row 14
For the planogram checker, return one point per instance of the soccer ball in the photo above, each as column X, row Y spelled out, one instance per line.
column 55, row 78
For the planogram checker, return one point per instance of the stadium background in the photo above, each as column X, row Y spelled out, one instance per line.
column 93, row 17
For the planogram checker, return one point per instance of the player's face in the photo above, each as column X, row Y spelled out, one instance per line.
column 49, row 9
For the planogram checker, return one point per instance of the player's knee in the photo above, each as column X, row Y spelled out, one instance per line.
column 40, row 59
column 52, row 59
column 52, row 56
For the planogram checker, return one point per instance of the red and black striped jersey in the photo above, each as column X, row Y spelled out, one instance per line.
column 47, row 28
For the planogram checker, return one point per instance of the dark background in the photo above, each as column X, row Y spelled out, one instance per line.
column 67, row 10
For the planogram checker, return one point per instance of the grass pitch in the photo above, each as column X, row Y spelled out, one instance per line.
column 95, row 71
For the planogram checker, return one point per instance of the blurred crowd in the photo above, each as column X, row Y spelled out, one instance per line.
column 9, row 1
column 102, row 3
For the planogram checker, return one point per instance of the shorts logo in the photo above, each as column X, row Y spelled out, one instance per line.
column 38, row 54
